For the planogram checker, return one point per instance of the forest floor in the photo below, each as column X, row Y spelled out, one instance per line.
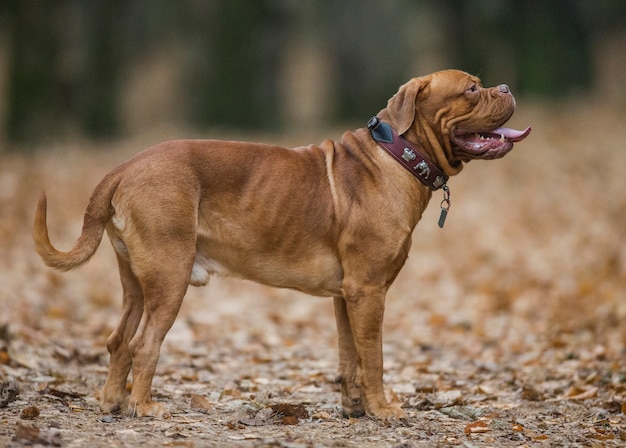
column 506, row 328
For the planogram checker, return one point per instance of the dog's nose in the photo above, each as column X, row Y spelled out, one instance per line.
column 503, row 88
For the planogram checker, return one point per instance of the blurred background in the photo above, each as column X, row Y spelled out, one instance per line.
column 99, row 69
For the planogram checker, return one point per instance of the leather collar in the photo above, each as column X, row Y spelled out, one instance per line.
column 407, row 154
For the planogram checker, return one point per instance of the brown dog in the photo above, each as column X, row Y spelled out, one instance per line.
column 330, row 220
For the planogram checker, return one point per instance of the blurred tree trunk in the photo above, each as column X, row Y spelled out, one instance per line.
column 63, row 68
column 34, row 93
column 234, row 82
column 97, row 88
column 370, row 51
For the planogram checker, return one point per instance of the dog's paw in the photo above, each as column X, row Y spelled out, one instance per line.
column 352, row 407
column 387, row 413
column 113, row 405
column 352, row 411
column 351, row 398
column 152, row 409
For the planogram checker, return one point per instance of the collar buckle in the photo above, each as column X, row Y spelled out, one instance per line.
column 381, row 131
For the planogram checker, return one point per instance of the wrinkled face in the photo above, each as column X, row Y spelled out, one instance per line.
column 470, row 115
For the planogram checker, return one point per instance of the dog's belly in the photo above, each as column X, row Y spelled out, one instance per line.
column 320, row 275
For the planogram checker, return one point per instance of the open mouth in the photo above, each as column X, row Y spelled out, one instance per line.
column 486, row 145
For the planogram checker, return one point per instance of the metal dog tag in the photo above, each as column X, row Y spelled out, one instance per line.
column 445, row 206
column 442, row 217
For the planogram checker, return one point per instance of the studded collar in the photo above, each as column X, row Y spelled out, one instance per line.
column 407, row 154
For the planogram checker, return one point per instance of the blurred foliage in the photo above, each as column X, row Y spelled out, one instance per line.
column 66, row 64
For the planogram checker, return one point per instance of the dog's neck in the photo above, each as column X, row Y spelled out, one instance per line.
column 407, row 154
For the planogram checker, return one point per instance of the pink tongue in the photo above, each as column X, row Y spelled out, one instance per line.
column 512, row 134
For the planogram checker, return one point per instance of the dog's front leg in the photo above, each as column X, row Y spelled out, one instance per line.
column 365, row 309
column 352, row 401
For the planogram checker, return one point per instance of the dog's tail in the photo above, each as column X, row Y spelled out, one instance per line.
column 98, row 213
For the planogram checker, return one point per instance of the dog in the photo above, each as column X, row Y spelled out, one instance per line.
column 332, row 220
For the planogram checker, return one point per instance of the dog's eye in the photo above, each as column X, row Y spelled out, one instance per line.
column 473, row 88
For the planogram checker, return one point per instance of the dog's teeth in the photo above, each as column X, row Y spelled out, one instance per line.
column 502, row 138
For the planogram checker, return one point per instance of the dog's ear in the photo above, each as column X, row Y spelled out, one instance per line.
column 401, row 106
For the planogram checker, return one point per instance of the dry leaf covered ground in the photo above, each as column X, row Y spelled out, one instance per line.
column 504, row 329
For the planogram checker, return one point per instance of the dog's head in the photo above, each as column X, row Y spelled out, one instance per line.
column 451, row 114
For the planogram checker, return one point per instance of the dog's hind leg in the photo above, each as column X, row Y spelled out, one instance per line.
column 114, row 396
column 164, row 287
column 351, row 393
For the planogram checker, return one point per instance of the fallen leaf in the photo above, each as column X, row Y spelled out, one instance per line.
column 322, row 415
column 26, row 433
column 230, row 392
column 263, row 417
column 290, row 420
column 476, row 427
column 9, row 390
column 461, row 412
column 63, row 353
column 438, row 320
column 189, row 377
column 485, row 389
column 200, row 403
column 30, row 413
column 75, row 408
column 179, row 443
column 601, row 434
column 573, row 391
column 247, row 385
column 531, row 394
column 291, row 410
column 577, row 393
column 427, row 385
column 47, row 390
column 30, row 434
column 244, row 437
column 5, row 358
column 447, row 398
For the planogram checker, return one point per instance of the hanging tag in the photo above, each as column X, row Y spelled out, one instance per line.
column 445, row 206
column 442, row 217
